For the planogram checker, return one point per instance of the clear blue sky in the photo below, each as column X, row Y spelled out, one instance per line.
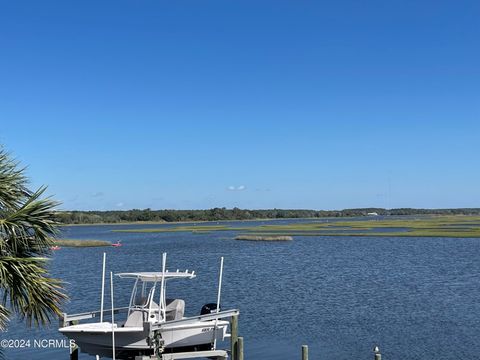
column 256, row 104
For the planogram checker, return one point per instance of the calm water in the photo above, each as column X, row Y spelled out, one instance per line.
column 417, row 298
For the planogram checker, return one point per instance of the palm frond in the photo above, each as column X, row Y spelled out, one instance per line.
column 13, row 182
column 27, row 225
column 28, row 230
column 4, row 317
column 29, row 291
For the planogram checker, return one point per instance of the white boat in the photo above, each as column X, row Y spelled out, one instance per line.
column 152, row 324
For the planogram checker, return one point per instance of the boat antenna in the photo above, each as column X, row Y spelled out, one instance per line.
column 162, row 286
column 220, row 276
column 220, row 284
column 113, row 319
column 103, row 287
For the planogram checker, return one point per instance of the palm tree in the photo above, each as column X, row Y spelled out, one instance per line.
column 27, row 225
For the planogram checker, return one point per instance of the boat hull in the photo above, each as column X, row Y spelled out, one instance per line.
column 96, row 338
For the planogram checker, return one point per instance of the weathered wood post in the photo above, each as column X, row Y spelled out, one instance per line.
column 233, row 337
column 376, row 351
column 74, row 352
column 304, row 352
column 240, row 348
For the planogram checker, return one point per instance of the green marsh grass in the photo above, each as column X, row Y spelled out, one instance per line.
column 81, row 243
column 426, row 226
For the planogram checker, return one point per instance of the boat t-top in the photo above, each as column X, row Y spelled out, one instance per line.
column 152, row 324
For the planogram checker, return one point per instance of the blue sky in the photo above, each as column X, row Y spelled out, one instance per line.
column 255, row 104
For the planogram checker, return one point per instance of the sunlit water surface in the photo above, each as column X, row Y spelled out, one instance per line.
column 417, row 298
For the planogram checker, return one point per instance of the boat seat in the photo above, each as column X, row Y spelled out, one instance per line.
column 175, row 309
column 138, row 316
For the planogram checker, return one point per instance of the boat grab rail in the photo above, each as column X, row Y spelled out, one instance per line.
column 206, row 317
column 66, row 318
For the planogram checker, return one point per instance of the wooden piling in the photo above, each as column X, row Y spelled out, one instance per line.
column 233, row 337
column 240, row 348
column 74, row 348
column 304, row 352
column 378, row 355
column 74, row 352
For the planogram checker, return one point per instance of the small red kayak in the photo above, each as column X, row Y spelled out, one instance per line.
column 117, row 244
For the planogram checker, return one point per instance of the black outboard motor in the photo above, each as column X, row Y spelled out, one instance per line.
column 209, row 308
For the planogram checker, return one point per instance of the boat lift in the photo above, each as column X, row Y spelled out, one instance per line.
column 154, row 329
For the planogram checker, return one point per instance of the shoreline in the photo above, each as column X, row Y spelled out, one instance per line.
column 339, row 218
column 374, row 227
column 203, row 221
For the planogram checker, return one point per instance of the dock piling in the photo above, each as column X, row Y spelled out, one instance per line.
column 240, row 348
column 304, row 352
column 233, row 337
column 74, row 348
column 376, row 351
column 74, row 353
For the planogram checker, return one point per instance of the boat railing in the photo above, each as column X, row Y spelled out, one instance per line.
column 206, row 317
column 66, row 319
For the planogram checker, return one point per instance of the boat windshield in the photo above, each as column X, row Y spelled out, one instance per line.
column 145, row 295
column 141, row 295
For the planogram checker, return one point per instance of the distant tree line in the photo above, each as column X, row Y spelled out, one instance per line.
column 217, row 214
